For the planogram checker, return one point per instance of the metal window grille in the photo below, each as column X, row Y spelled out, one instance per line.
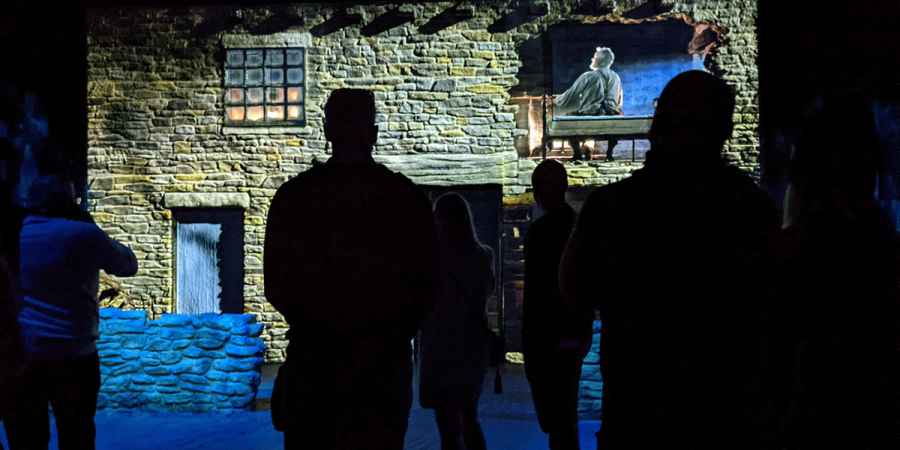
column 265, row 86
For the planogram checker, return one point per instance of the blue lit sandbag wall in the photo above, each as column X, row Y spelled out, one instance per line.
column 179, row 362
column 590, row 392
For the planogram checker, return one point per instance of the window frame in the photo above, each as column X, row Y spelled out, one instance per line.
column 264, row 123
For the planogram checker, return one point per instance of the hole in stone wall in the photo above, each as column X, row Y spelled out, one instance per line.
column 209, row 260
column 647, row 54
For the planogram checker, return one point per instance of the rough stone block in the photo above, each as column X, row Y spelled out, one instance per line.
column 217, row 375
column 174, row 320
column 167, row 380
column 246, row 341
column 196, row 388
column 131, row 367
column 122, row 327
column 131, row 354
column 120, row 314
column 171, row 357
column 230, row 389
column 107, row 355
column 143, row 379
column 181, row 344
column 197, row 367
column 157, row 370
column 255, row 329
column 129, row 399
column 241, row 401
column 238, row 365
column 176, row 333
column 213, row 335
column 241, row 351
column 206, row 200
column 158, row 345
column 194, row 353
column 114, row 383
column 209, row 344
column 194, row 378
column 246, row 378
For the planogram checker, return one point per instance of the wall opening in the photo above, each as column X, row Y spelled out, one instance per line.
column 647, row 54
column 209, row 260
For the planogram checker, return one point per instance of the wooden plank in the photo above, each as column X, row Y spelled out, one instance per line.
column 636, row 127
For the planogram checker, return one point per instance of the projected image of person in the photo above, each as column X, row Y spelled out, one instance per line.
column 597, row 92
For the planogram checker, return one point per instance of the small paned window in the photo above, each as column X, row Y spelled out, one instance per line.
column 265, row 86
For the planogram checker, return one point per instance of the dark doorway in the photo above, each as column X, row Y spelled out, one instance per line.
column 486, row 201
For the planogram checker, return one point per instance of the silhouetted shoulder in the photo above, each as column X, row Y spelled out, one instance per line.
column 611, row 194
column 303, row 178
column 487, row 254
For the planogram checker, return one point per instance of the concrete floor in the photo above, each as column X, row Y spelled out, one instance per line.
column 508, row 420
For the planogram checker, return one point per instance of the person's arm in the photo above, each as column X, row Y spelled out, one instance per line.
column 424, row 261
column 612, row 100
column 114, row 257
column 490, row 279
column 565, row 100
column 276, row 260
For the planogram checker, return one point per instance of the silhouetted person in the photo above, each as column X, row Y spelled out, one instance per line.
column 10, row 343
column 61, row 253
column 672, row 258
column 839, row 290
column 455, row 333
column 554, row 340
column 349, row 262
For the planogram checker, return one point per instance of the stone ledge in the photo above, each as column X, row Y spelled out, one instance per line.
column 270, row 40
column 264, row 130
column 206, row 200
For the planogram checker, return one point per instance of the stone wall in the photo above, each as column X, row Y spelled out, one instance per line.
column 445, row 115
column 179, row 362
column 591, row 389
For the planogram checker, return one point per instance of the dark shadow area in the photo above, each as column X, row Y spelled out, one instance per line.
column 652, row 8
column 524, row 12
column 447, row 18
column 386, row 21
column 339, row 20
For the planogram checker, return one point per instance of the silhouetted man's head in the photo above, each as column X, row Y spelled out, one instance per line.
column 550, row 183
column 350, row 124
column 51, row 195
column 693, row 116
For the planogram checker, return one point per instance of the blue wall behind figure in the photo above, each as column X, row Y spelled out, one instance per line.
column 590, row 392
column 643, row 80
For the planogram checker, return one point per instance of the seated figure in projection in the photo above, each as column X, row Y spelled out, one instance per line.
column 597, row 92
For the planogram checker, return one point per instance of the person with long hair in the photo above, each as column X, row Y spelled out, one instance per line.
column 455, row 333
column 838, row 288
